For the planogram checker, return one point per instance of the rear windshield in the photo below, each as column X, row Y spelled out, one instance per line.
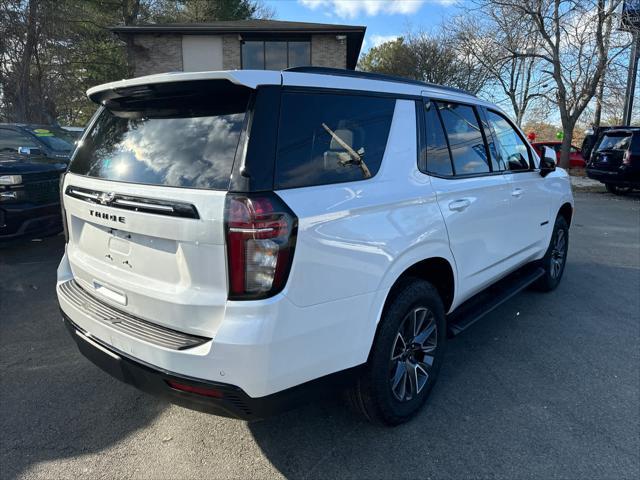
column 615, row 141
column 186, row 143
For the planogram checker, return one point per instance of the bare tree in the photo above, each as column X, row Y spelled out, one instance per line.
column 494, row 40
column 576, row 48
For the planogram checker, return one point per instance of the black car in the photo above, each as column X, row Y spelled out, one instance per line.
column 51, row 144
column 615, row 159
column 32, row 158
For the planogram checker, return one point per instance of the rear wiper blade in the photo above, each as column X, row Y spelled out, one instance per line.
column 355, row 156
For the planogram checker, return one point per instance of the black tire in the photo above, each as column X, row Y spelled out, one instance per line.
column 377, row 392
column 555, row 259
column 616, row 190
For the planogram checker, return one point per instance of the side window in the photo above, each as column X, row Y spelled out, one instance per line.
column 491, row 142
column 465, row 138
column 438, row 158
column 513, row 153
column 10, row 140
column 327, row 138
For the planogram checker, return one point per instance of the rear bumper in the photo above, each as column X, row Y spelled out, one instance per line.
column 621, row 177
column 29, row 220
column 229, row 400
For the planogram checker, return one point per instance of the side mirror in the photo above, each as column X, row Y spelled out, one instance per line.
column 547, row 161
column 31, row 151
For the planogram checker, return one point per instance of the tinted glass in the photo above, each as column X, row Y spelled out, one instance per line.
column 54, row 138
column 615, row 141
column 10, row 140
column 465, row 139
column 491, row 144
column 275, row 55
column 438, row 159
column 253, row 55
column 513, row 153
column 299, row 54
column 325, row 138
column 183, row 151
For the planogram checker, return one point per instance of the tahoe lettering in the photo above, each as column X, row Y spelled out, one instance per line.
column 107, row 216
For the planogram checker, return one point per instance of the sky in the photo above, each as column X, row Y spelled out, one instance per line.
column 384, row 19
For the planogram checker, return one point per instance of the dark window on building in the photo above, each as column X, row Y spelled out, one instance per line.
column 512, row 152
column 253, row 55
column 438, row 158
column 326, row 138
column 299, row 54
column 465, row 138
column 275, row 55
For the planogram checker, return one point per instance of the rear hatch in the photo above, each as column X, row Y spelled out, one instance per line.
column 610, row 150
column 144, row 200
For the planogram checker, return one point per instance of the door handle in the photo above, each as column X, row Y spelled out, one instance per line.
column 459, row 205
column 517, row 192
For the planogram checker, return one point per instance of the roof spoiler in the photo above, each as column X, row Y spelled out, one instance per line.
column 141, row 86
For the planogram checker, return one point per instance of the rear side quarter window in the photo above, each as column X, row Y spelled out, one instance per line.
column 328, row 138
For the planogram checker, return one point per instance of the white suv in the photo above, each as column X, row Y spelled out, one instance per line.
column 237, row 241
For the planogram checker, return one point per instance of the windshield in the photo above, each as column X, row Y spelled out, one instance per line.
column 55, row 138
column 615, row 141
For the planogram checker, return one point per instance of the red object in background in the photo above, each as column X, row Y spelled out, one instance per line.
column 576, row 160
column 531, row 136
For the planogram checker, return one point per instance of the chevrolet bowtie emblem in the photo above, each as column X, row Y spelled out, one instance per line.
column 105, row 198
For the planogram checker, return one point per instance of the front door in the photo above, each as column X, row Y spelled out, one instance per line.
column 529, row 202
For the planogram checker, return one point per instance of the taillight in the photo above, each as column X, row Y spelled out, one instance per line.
column 261, row 236
column 628, row 158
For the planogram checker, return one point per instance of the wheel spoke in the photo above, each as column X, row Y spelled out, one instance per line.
column 422, row 376
column 398, row 347
column 427, row 362
column 399, row 381
column 419, row 316
column 412, row 374
column 427, row 333
column 401, row 370
column 417, row 376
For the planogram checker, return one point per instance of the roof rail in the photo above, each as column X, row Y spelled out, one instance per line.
column 372, row 76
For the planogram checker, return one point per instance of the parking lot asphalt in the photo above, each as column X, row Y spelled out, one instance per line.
column 546, row 386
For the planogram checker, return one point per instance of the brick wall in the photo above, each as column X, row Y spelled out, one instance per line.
column 326, row 51
column 230, row 52
column 156, row 54
column 163, row 53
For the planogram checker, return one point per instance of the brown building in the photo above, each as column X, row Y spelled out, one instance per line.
column 245, row 44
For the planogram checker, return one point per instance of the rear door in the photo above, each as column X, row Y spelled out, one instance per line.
column 144, row 200
column 473, row 199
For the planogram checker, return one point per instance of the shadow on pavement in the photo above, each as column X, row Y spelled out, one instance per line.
column 53, row 402
column 530, row 391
